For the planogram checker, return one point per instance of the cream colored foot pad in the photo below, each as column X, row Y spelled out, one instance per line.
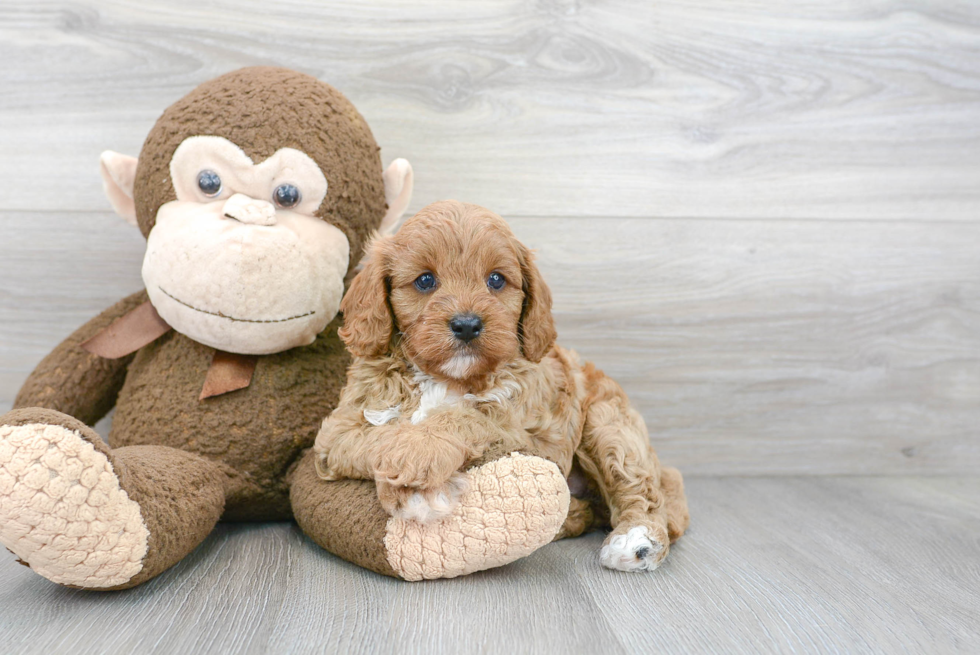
column 62, row 511
column 513, row 506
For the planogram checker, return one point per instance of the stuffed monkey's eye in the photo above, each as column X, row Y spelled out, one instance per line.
column 209, row 183
column 425, row 282
column 496, row 281
column 286, row 196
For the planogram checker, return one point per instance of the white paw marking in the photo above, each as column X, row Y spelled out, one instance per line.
column 62, row 510
column 633, row 551
column 433, row 505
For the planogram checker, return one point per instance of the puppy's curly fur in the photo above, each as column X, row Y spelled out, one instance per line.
column 423, row 403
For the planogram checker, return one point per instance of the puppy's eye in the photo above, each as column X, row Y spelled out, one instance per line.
column 425, row 282
column 496, row 281
column 286, row 195
column 209, row 183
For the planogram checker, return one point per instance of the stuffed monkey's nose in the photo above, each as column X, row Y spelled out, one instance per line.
column 244, row 209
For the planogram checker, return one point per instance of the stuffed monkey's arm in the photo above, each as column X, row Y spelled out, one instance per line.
column 74, row 381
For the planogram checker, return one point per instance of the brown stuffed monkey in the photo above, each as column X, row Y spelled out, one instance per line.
column 256, row 192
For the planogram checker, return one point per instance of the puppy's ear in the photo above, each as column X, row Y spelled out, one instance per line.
column 367, row 317
column 537, row 327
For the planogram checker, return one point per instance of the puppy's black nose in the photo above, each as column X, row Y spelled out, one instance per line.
column 466, row 327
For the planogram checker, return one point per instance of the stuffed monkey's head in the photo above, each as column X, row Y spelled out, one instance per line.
column 256, row 193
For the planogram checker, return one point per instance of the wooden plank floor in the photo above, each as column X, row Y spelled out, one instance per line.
column 824, row 564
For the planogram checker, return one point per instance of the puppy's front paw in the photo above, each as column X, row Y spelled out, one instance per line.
column 417, row 458
column 422, row 505
column 636, row 550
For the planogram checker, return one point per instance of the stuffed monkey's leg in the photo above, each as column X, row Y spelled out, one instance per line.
column 83, row 515
column 512, row 506
column 647, row 506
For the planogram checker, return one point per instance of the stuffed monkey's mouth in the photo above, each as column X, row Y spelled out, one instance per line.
column 234, row 318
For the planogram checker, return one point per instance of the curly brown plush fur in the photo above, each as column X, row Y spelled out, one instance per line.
column 255, row 434
column 263, row 109
column 179, row 457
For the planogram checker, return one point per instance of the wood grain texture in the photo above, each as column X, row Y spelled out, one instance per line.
column 763, row 347
column 750, row 347
column 852, row 565
column 711, row 108
column 762, row 218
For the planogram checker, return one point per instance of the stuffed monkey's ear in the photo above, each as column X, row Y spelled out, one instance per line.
column 118, row 177
column 367, row 319
column 399, row 181
column 537, row 326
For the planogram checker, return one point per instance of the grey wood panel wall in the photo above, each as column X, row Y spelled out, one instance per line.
column 762, row 218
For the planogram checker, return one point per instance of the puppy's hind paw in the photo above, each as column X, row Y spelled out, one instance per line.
column 633, row 551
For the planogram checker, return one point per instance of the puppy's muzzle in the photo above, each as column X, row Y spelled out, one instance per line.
column 466, row 327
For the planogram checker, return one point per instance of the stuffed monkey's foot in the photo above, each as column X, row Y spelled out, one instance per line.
column 636, row 548
column 62, row 510
column 512, row 506
column 84, row 516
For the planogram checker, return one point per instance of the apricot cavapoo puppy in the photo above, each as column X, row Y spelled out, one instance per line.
column 456, row 364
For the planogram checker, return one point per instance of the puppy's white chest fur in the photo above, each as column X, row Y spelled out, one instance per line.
column 435, row 395
column 432, row 394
